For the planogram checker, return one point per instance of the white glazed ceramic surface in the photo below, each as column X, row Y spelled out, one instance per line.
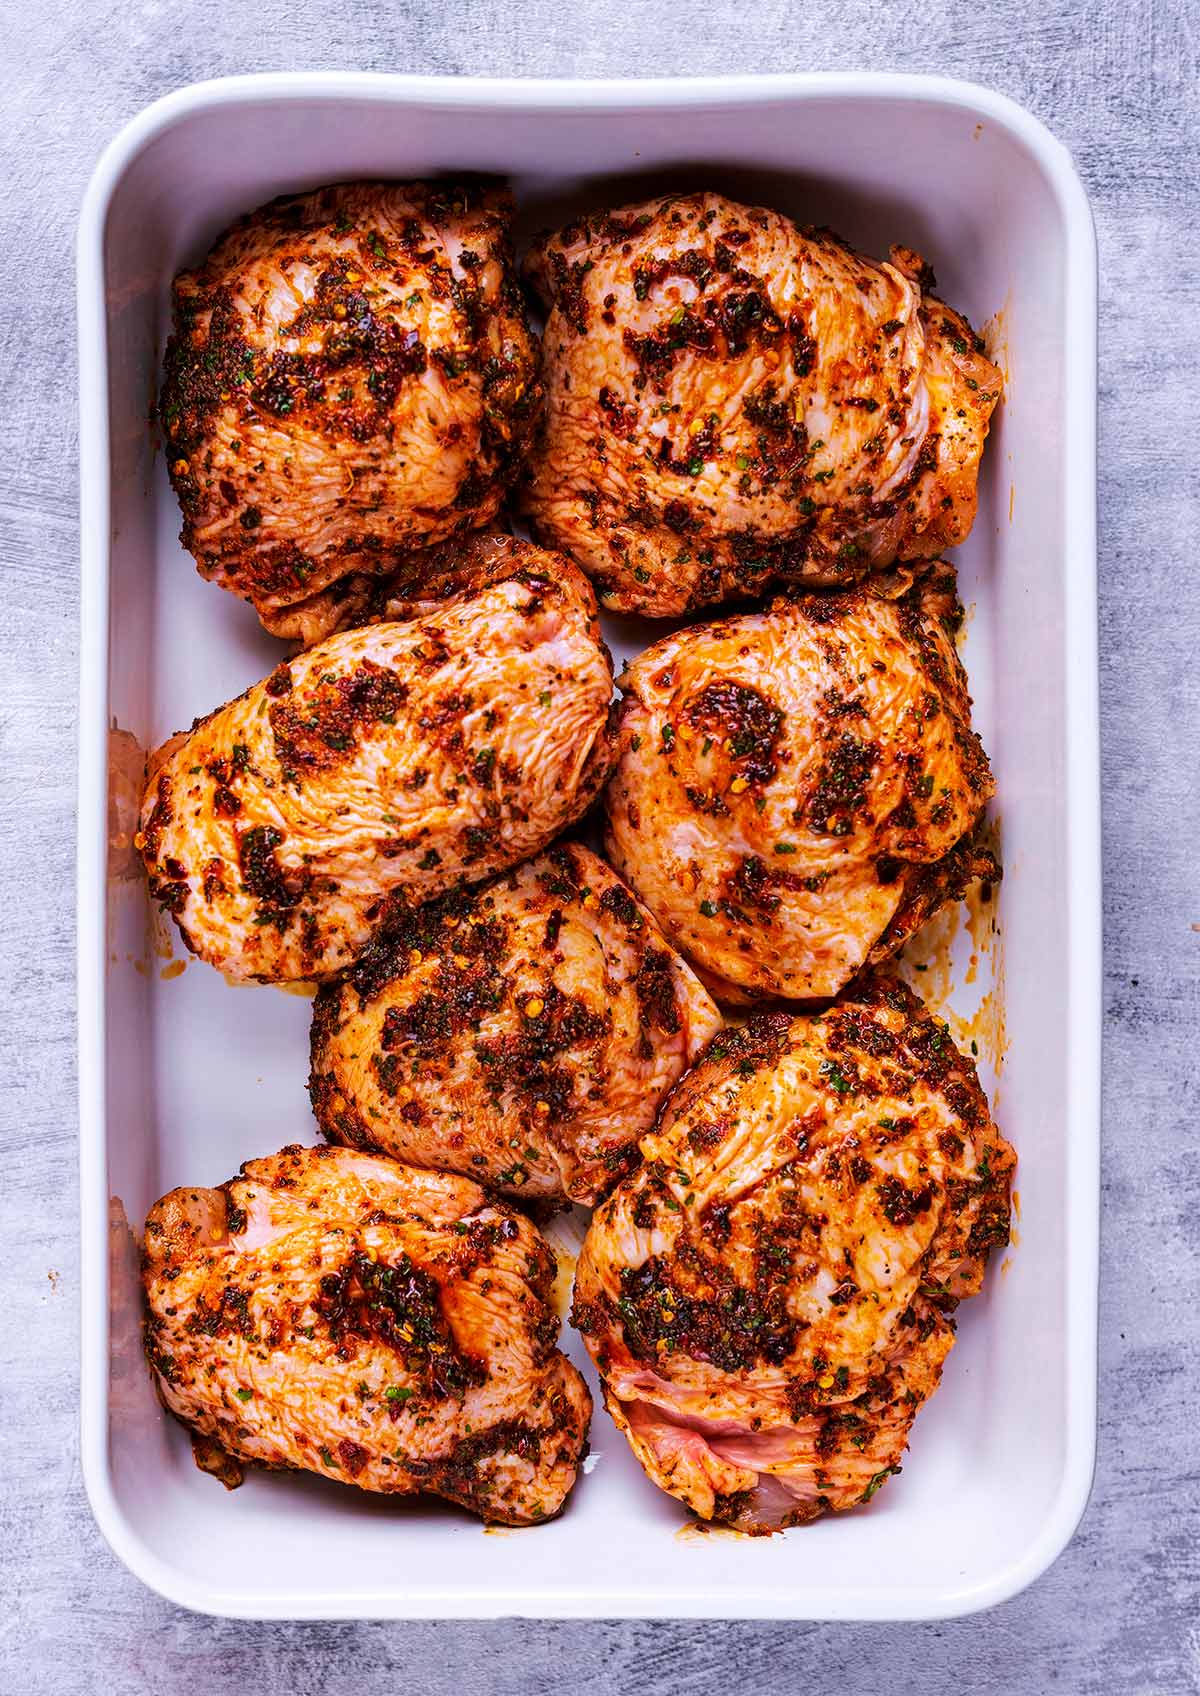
column 182, row 1076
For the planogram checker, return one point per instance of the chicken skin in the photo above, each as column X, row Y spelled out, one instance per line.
column 769, row 1298
column 733, row 400
column 795, row 789
column 390, row 1328
column 351, row 375
column 524, row 1031
column 392, row 761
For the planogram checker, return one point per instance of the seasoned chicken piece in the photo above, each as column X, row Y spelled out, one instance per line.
column 391, row 761
column 769, row 1297
column 524, row 1031
column 796, row 789
column 733, row 400
column 347, row 1315
column 351, row 375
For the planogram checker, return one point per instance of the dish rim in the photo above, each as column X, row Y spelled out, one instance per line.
column 1081, row 810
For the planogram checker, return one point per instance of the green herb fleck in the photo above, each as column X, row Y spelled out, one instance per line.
column 835, row 1077
column 876, row 1482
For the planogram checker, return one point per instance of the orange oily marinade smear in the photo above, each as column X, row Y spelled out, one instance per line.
column 930, row 966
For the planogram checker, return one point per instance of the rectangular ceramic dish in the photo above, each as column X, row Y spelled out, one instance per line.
column 182, row 1077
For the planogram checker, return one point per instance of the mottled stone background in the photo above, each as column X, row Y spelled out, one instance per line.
column 1119, row 84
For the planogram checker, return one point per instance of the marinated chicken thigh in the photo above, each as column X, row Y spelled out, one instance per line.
column 524, row 1031
column 351, row 375
column 796, row 789
column 386, row 1327
column 396, row 760
column 769, row 1298
column 733, row 400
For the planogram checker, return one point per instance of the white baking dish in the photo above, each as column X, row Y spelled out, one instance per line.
column 184, row 1077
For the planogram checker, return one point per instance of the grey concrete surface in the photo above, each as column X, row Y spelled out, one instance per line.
column 1118, row 1613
